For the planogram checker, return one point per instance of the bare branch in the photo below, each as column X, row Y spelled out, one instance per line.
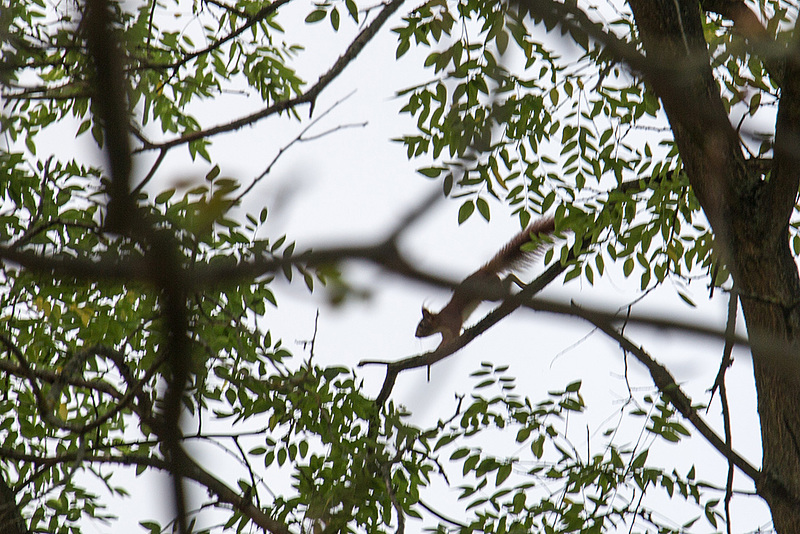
column 646, row 320
column 730, row 335
column 298, row 139
column 719, row 382
column 668, row 387
column 442, row 517
column 151, row 172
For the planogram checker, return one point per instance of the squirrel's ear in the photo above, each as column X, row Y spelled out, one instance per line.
column 426, row 312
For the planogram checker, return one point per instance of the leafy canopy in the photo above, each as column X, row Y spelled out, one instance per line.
column 512, row 111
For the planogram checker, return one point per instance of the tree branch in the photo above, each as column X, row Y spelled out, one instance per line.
column 191, row 471
column 58, row 380
column 252, row 20
column 666, row 384
column 309, row 97
column 169, row 278
column 299, row 138
column 110, row 98
column 443, row 351
column 678, row 70
column 760, row 42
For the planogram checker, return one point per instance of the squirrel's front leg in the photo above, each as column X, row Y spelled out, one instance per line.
column 512, row 279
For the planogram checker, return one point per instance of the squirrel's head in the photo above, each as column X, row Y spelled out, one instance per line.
column 426, row 326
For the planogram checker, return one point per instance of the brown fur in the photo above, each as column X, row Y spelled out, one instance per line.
column 483, row 284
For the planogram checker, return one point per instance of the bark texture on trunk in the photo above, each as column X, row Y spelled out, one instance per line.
column 749, row 215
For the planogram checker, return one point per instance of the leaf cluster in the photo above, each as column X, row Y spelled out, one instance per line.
column 548, row 484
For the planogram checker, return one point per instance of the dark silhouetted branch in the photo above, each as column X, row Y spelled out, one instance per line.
column 110, row 99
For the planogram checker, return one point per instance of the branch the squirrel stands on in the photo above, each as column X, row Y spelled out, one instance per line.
column 486, row 283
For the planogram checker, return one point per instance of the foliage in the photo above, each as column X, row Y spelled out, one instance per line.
column 535, row 129
column 510, row 114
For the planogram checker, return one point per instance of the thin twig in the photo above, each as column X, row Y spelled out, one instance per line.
column 401, row 516
column 440, row 516
column 150, row 173
column 298, row 139
column 727, row 360
column 730, row 340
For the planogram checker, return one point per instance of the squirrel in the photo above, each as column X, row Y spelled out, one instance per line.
column 484, row 284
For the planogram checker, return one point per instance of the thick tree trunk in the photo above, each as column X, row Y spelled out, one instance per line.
column 770, row 290
column 749, row 216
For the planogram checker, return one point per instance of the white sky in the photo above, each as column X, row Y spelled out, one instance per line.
column 352, row 186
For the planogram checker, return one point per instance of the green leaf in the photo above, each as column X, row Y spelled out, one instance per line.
column 213, row 173
column 315, row 16
column 572, row 274
column 402, row 47
column 755, row 103
column 447, row 186
column 502, row 42
column 686, row 299
column 554, row 96
column 83, row 127
column 30, row 143
column 335, row 19
column 152, row 526
column 503, row 473
column 627, row 267
column 430, row 172
column 460, row 453
column 483, row 207
column 465, row 211
column 352, row 9
column 164, row 196
column 537, row 447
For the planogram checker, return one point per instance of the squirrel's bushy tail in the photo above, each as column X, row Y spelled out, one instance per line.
column 511, row 256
